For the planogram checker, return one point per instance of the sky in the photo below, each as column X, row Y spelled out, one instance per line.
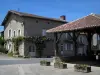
column 72, row 9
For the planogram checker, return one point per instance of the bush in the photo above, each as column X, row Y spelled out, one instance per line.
column 3, row 50
column 82, row 68
column 60, row 65
column 10, row 54
column 44, row 63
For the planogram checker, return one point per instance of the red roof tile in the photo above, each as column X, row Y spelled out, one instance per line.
column 89, row 21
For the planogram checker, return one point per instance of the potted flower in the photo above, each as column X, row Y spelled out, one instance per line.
column 56, row 64
column 63, row 65
column 86, row 68
column 82, row 68
column 60, row 65
column 44, row 63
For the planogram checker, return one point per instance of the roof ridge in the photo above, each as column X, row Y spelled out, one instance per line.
column 34, row 15
column 77, row 19
column 95, row 16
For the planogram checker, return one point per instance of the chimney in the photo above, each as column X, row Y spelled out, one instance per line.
column 63, row 17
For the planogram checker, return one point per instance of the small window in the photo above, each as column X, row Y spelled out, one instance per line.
column 9, row 33
column 44, row 32
column 36, row 21
column 14, row 33
column 19, row 32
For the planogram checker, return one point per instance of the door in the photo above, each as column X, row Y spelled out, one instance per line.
column 32, row 51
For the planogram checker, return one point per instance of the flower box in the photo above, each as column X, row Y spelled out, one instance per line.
column 63, row 66
column 82, row 68
column 60, row 65
column 44, row 63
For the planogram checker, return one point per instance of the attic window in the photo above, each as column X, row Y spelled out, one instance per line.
column 36, row 21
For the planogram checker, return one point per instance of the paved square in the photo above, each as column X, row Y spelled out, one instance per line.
column 20, row 66
column 36, row 69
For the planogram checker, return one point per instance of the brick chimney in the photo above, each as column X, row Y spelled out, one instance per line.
column 63, row 17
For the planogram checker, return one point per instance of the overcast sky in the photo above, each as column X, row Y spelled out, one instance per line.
column 73, row 9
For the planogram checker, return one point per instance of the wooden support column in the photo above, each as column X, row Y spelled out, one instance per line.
column 75, row 44
column 56, row 44
column 89, row 38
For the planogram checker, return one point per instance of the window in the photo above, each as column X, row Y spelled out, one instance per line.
column 19, row 32
column 80, row 39
column 95, row 36
column 36, row 21
column 68, row 46
column 44, row 32
column 14, row 33
column 61, row 47
column 9, row 33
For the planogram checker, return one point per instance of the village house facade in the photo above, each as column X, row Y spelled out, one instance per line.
column 29, row 25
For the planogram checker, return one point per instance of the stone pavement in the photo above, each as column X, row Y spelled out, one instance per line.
column 36, row 69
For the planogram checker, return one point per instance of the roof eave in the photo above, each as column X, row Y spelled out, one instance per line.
column 5, row 19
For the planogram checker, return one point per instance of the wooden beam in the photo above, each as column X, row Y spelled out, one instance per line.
column 59, row 37
column 75, row 43
column 89, row 38
column 56, row 44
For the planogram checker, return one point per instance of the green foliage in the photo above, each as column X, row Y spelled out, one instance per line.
column 16, row 41
column 1, row 41
column 3, row 50
column 44, row 62
column 60, row 65
column 10, row 54
column 81, row 67
column 38, row 40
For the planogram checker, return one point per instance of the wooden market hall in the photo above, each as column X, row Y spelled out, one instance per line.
column 88, row 25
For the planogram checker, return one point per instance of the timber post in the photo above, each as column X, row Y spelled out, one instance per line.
column 56, row 44
column 75, row 44
column 89, row 38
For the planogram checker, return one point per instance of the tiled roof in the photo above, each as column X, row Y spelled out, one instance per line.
column 32, row 16
column 92, row 20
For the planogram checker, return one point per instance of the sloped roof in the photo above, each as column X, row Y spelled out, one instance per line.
column 92, row 20
column 29, row 15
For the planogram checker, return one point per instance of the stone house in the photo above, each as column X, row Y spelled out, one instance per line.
column 28, row 25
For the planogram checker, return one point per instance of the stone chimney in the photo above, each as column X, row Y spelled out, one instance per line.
column 63, row 17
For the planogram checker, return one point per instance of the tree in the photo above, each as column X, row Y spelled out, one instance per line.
column 1, row 41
